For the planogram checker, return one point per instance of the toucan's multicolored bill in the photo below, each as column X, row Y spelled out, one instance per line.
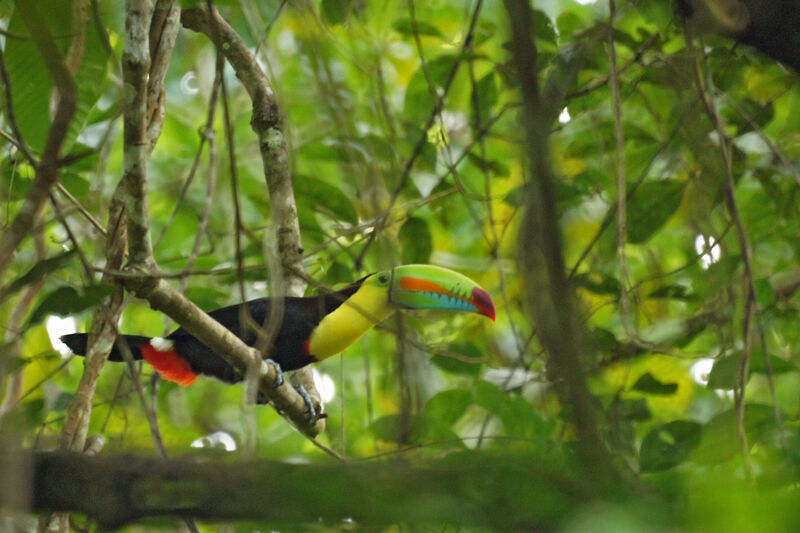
column 432, row 287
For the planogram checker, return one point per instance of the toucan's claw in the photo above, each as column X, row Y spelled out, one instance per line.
column 279, row 379
column 312, row 411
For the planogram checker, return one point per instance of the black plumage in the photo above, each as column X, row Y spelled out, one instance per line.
column 300, row 317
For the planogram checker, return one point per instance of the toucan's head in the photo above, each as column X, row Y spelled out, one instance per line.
column 432, row 287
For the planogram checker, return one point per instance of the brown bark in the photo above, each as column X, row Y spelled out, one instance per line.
column 477, row 490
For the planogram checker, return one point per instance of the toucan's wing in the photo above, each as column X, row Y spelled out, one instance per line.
column 289, row 347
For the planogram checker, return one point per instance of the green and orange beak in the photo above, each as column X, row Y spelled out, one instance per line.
column 432, row 287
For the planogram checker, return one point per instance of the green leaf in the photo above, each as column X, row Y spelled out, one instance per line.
column 517, row 415
column 31, row 84
column 633, row 409
column 336, row 11
column 598, row 283
column 415, row 238
column 515, row 197
column 649, row 384
column 669, row 445
column 67, row 301
column 672, row 292
column 543, row 27
column 16, row 179
column 419, row 95
column 75, row 184
column 406, row 27
column 37, row 272
column 484, row 97
column 650, row 208
column 448, row 406
column 316, row 195
column 413, row 430
column 91, row 81
column 453, row 365
column 720, row 441
column 764, row 292
column 723, row 373
column 778, row 364
column 34, row 411
column 498, row 168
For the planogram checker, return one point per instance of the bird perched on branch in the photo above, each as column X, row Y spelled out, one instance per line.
column 311, row 329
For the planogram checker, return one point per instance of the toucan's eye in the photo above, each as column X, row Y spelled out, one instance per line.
column 383, row 278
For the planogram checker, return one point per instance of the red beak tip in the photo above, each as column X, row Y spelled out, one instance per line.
column 484, row 303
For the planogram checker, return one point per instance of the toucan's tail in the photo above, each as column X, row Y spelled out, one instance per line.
column 77, row 343
column 162, row 356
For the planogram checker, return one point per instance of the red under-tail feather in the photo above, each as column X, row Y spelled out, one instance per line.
column 169, row 364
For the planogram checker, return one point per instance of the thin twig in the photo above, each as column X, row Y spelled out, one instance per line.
column 751, row 308
column 211, row 173
column 93, row 221
column 622, row 232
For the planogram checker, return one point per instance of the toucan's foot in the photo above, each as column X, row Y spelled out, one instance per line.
column 263, row 399
column 312, row 411
column 279, row 380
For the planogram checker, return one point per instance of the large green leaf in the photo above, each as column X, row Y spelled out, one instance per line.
column 460, row 364
column 484, row 97
column 406, row 27
column 448, row 406
column 720, row 440
column 414, row 430
column 316, row 195
column 726, row 369
column 517, row 414
column 37, row 272
column 419, row 93
column 91, row 80
column 668, row 445
column 31, row 84
column 651, row 206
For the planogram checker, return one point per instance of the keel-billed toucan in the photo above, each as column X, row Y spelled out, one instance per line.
column 312, row 328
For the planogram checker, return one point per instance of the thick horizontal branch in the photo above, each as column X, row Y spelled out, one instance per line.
column 498, row 492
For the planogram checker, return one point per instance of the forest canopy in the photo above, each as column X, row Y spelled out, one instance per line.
column 620, row 176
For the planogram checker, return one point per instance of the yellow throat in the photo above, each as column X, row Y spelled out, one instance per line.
column 345, row 325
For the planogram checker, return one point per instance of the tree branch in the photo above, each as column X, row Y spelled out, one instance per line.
column 267, row 122
column 135, row 70
column 484, row 491
column 542, row 263
column 163, row 32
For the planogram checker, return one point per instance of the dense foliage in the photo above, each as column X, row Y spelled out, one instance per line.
column 405, row 134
